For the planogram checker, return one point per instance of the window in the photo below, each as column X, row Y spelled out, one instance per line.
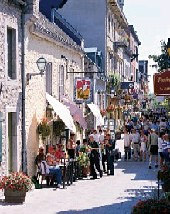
column 109, row 23
column 11, row 48
column 49, row 78
column 61, row 81
column 12, row 141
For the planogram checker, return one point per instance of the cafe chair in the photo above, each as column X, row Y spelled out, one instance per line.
column 43, row 173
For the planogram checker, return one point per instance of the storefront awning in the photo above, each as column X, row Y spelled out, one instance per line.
column 62, row 111
column 75, row 111
column 96, row 112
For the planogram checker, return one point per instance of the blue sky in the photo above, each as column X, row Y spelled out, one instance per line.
column 151, row 19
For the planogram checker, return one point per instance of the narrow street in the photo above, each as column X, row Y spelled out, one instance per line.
column 109, row 195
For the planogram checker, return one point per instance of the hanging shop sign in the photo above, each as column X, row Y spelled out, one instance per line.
column 83, row 91
column 127, row 85
column 162, row 83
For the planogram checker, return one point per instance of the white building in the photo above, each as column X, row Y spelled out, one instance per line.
column 10, row 87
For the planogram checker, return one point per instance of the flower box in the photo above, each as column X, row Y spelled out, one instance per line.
column 15, row 187
column 12, row 196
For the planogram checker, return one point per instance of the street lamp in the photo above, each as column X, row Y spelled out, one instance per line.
column 41, row 64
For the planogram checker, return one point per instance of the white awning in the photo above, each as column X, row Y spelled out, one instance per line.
column 96, row 112
column 62, row 111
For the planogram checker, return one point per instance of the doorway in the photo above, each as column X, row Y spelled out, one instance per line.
column 12, row 142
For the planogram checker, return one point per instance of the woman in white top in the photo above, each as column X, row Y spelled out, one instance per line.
column 143, row 140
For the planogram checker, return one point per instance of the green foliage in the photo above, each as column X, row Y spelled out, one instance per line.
column 162, row 60
column 83, row 159
column 113, row 83
column 44, row 129
column 58, row 127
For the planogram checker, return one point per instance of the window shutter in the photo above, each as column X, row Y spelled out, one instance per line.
column 0, row 137
column 49, row 78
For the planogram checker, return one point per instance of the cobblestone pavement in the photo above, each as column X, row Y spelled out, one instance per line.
column 109, row 195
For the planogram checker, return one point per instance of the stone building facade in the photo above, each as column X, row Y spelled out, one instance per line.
column 107, row 24
column 47, row 40
column 10, row 87
column 134, row 47
column 65, row 61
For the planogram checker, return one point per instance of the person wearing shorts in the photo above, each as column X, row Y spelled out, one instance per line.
column 153, row 148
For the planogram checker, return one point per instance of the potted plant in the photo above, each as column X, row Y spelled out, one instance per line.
column 83, row 160
column 15, row 187
column 44, row 129
column 58, row 127
column 151, row 206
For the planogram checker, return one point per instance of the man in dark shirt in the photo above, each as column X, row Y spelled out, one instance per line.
column 110, row 146
column 94, row 158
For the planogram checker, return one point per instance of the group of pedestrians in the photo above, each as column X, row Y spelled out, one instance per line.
column 100, row 149
column 147, row 137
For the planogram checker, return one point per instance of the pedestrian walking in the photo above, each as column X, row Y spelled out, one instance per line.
column 104, row 156
column 94, row 158
column 127, row 145
column 160, row 147
column 135, row 142
column 153, row 148
column 143, row 145
column 110, row 146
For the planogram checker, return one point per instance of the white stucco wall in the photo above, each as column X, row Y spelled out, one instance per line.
column 38, row 45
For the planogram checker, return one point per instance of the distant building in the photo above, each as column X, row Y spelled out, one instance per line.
column 101, row 23
column 143, row 69
column 143, row 76
column 134, row 47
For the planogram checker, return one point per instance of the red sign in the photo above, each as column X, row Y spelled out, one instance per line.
column 161, row 83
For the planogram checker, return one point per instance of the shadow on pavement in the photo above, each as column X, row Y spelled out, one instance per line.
column 119, row 208
column 140, row 169
column 3, row 203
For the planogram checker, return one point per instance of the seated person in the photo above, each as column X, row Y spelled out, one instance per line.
column 54, row 169
column 59, row 154
column 39, row 157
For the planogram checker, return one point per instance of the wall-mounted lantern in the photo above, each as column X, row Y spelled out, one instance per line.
column 41, row 64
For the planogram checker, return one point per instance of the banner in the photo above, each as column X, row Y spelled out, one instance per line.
column 127, row 85
column 161, row 83
column 83, row 90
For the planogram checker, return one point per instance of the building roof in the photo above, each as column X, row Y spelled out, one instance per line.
column 133, row 32
column 49, row 9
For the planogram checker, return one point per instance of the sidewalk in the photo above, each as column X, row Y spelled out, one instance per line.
column 109, row 195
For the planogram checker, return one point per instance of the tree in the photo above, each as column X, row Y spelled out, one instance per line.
column 162, row 60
